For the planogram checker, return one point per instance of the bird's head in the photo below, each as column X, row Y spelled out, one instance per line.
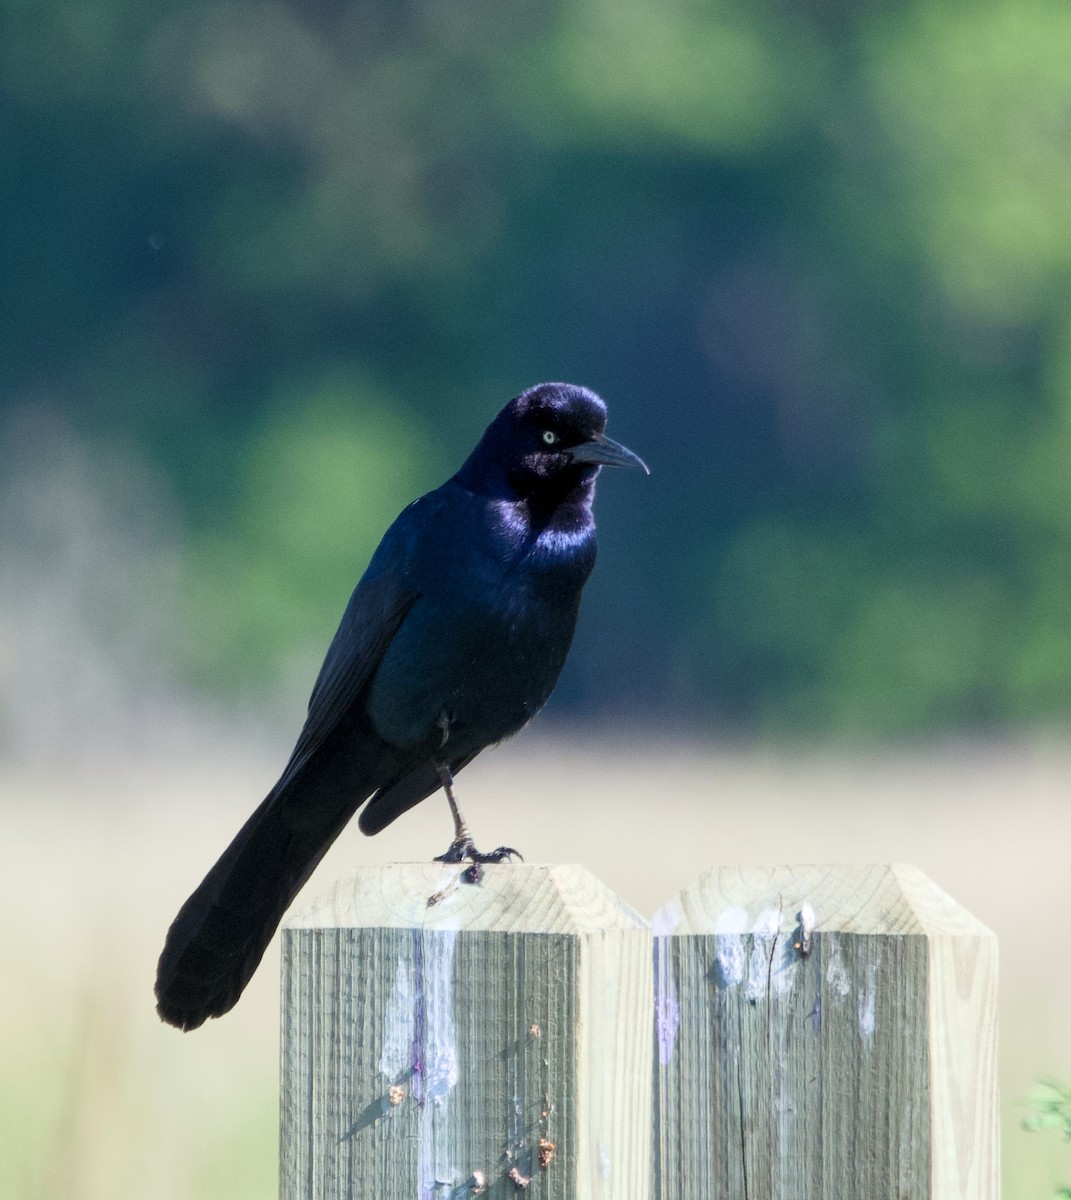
column 547, row 441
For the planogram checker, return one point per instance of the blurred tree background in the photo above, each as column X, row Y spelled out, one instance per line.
column 269, row 268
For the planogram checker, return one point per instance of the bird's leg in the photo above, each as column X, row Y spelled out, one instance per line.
column 463, row 848
column 462, row 837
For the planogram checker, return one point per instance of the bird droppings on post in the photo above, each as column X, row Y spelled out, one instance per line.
column 729, row 932
column 435, row 1046
column 666, row 920
column 518, row 1178
column 477, row 1183
column 445, row 892
column 604, row 1162
column 836, row 972
column 667, row 1007
column 803, row 938
column 868, row 999
column 760, row 968
column 816, row 1014
column 395, row 1059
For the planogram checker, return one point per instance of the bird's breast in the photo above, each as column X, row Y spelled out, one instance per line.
column 483, row 647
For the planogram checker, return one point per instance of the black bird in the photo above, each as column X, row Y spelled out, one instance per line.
column 452, row 640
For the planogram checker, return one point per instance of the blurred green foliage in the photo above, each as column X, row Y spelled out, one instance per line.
column 318, row 481
column 1051, row 1104
column 817, row 257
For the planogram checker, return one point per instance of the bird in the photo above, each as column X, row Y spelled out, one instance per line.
column 452, row 641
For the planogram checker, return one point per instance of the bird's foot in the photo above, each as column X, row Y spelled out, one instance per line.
column 463, row 849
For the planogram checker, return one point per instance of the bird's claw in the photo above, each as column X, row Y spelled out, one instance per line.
column 464, row 850
column 502, row 854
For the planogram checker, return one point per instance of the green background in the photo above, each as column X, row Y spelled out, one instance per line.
column 270, row 268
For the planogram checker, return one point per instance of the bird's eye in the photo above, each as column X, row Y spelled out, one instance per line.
column 550, row 437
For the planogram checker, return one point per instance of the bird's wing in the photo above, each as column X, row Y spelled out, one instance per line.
column 373, row 616
column 407, row 789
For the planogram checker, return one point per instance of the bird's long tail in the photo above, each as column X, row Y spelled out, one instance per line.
column 220, row 934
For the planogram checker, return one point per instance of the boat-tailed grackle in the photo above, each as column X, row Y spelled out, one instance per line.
column 452, row 640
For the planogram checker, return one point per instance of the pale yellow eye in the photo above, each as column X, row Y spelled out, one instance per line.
column 550, row 437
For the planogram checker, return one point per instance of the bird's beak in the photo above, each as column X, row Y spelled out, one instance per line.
column 605, row 452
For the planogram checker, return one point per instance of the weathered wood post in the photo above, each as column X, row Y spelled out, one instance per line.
column 824, row 1033
column 443, row 1040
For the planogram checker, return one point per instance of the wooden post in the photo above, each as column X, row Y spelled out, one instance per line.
column 443, row 1040
column 824, row 1033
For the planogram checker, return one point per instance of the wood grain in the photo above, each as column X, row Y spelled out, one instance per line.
column 823, row 1033
column 500, row 1035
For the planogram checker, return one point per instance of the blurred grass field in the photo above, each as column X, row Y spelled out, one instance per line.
column 101, row 1102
